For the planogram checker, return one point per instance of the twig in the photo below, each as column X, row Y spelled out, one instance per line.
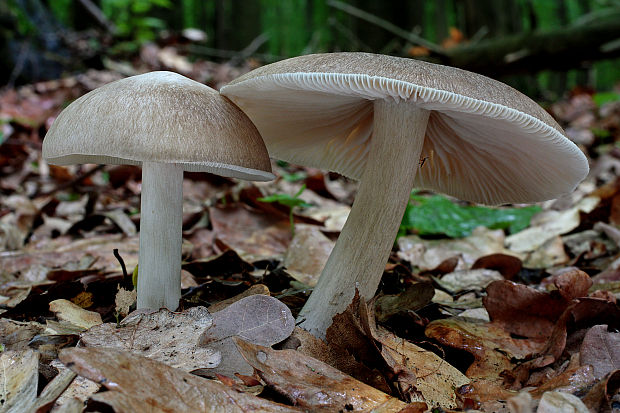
column 98, row 15
column 74, row 181
column 122, row 262
column 384, row 24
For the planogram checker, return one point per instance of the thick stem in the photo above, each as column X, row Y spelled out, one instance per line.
column 364, row 245
column 161, row 220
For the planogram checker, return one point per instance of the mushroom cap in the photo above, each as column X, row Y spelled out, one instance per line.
column 485, row 142
column 159, row 117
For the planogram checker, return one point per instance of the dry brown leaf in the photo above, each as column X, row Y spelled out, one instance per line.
column 73, row 314
column 458, row 281
column 434, row 378
column 554, row 402
column 253, row 290
column 414, row 297
column 253, row 235
column 165, row 336
column 335, row 356
column 159, row 386
column 527, row 312
column 601, row 349
column 260, row 319
column 15, row 335
column 19, row 375
column 493, row 348
column 307, row 254
column 312, row 384
column 548, row 224
column 429, row 254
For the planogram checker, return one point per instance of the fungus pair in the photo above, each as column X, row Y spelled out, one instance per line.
column 372, row 118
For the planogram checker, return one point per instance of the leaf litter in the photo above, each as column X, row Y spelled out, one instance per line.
column 485, row 312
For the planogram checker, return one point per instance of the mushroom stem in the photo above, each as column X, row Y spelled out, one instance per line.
column 364, row 245
column 161, row 220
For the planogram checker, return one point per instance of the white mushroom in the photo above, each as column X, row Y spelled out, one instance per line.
column 168, row 124
column 373, row 118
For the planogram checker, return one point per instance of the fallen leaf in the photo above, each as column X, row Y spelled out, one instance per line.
column 70, row 313
column 493, row 348
column 528, row 312
column 165, row 336
column 335, row 356
column 604, row 393
column 601, row 349
column 434, row 378
column 554, row 402
column 307, row 254
column 19, row 375
column 161, row 387
column 253, row 290
column 312, row 384
column 429, row 254
column 253, row 235
column 507, row 265
column 549, row 224
column 414, row 297
column 259, row 319
column 458, row 281
column 15, row 335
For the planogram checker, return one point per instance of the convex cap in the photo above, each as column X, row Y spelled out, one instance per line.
column 485, row 142
column 159, row 117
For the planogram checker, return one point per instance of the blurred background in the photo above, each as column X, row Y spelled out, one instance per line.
column 542, row 47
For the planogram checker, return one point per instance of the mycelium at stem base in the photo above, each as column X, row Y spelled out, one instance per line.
column 161, row 221
column 364, row 245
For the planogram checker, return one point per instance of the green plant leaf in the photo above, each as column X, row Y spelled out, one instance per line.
column 287, row 200
column 605, row 97
column 436, row 215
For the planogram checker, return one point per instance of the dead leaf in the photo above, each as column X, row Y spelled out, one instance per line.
column 458, row 281
column 307, row 254
column 312, row 384
column 414, row 297
column 335, row 356
column 165, row 336
column 255, row 289
column 260, row 319
column 554, row 402
column 430, row 254
column 434, row 378
column 70, row 313
column 493, row 348
column 19, row 375
column 15, row 335
column 161, row 387
column 254, row 236
column 531, row 313
column 507, row 265
column 548, row 224
column 601, row 349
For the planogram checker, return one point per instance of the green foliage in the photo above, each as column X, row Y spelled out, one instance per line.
column 133, row 19
column 24, row 26
column 62, row 10
column 438, row 215
column 289, row 201
column 605, row 97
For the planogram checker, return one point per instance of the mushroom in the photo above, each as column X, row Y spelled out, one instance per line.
column 168, row 124
column 395, row 124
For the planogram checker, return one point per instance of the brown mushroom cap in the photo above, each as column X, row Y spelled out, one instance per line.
column 485, row 142
column 159, row 117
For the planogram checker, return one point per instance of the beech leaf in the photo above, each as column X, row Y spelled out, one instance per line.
column 259, row 319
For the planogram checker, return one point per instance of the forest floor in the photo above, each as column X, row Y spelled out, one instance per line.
column 510, row 319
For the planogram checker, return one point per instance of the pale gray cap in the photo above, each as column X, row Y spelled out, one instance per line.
column 159, row 117
column 488, row 142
